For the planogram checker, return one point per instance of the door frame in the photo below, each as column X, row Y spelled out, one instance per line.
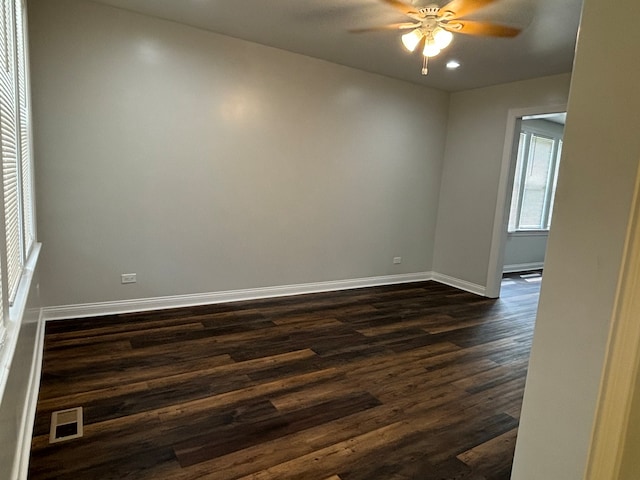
column 505, row 187
column 619, row 381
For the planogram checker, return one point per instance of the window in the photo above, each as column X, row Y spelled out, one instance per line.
column 535, row 178
column 17, row 226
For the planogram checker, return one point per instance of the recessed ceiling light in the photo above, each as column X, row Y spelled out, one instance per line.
column 453, row 64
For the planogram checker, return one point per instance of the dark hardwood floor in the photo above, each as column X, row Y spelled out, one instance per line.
column 415, row 381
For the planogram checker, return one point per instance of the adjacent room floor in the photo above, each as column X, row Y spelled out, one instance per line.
column 415, row 381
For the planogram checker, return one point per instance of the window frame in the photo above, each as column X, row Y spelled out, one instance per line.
column 518, row 191
column 15, row 85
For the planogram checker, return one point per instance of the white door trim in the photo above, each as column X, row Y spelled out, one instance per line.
column 620, row 374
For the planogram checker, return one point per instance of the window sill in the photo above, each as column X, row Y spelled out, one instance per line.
column 16, row 313
column 529, row 233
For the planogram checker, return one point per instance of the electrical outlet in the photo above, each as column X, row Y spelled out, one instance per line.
column 128, row 278
column 397, row 260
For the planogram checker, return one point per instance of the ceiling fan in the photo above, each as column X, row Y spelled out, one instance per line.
column 434, row 26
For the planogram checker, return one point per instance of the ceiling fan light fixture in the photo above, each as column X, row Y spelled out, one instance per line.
column 436, row 25
column 442, row 38
column 412, row 39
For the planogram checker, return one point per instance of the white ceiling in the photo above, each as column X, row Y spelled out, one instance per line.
column 320, row 28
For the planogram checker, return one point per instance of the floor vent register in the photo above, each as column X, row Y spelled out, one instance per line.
column 66, row 425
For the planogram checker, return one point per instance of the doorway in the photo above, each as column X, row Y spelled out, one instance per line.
column 529, row 164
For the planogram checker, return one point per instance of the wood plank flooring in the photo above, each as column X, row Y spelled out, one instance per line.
column 415, row 381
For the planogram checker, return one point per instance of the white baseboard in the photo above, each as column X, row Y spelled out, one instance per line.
column 522, row 267
column 23, row 450
column 460, row 284
column 65, row 312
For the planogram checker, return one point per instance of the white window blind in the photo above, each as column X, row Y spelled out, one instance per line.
column 9, row 133
column 17, row 219
column 17, row 226
column 4, row 102
column 24, row 110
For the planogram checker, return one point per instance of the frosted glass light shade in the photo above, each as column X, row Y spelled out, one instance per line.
column 430, row 49
column 412, row 39
column 442, row 37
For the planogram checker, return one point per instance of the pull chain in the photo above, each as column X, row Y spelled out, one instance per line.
column 425, row 60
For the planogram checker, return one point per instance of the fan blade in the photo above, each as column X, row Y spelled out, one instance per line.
column 401, row 7
column 391, row 26
column 460, row 8
column 470, row 27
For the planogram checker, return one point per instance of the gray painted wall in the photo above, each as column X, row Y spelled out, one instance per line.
column 523, row 249
column 584, row 254
column 205, row 163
